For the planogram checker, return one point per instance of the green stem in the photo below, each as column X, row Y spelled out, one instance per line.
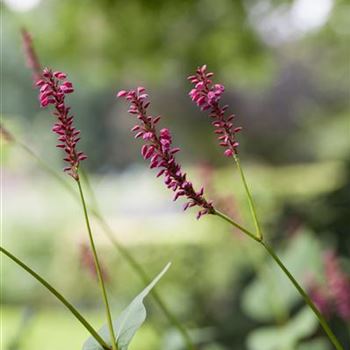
column 233, row 223
column 109, row 233
column 59, row 296
column 98, row 270
column 301, row 291
column 250, row 198
column 306, row 297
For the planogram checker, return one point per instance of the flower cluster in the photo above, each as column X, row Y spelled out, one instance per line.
column 334, row 294
column 53, row 89
column 207, row 96
column 158, row 149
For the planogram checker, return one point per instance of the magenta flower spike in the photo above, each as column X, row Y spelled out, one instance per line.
column 161, row 154
column 207, row 97
column 53, row 89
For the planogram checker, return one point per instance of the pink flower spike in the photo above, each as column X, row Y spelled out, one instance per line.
column 53, row 92
column 158, row 149
column 207, row 96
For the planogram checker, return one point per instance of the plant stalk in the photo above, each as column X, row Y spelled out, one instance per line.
column 305, row 296
column 99, row 271
column 301, row 291
column 250, row 198
column 59, row 296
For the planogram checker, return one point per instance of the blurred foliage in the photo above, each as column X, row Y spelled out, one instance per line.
column 292, row 92
column 284, row 337
column 227, row 275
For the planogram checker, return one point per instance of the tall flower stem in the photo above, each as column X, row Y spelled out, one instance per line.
column 301, row 291
column 108, row 231
column 306, row 297
column 98, row 270
column 250, row 197
column 59, row 296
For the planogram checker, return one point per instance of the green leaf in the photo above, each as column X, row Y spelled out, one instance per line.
column 128, row 322
column 285, row 337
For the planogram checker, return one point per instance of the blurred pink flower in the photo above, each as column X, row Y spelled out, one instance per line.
column 30, row 55
column 87, row 261
column 332, row 296
column 338, row 284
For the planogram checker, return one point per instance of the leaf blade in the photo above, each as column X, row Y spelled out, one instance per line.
column 129, row 321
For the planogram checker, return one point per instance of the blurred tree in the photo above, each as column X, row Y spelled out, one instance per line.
column 281, row 61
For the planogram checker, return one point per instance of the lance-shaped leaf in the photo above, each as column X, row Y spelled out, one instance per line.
column 128, row 322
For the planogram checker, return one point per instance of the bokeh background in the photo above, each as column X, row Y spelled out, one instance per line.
column 285, row 66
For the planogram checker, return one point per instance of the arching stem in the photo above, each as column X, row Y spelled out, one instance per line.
column 99, row 271
column 59, row 296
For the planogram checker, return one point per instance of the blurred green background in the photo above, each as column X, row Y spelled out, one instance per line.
column 285, row 66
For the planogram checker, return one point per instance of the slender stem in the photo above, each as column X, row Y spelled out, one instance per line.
column 98, row 270
column 307, row 299
column 232, row 222
column 145, row 278
column 59, row 296
column 250, row 198
column 109, row 233
column 252, row 210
